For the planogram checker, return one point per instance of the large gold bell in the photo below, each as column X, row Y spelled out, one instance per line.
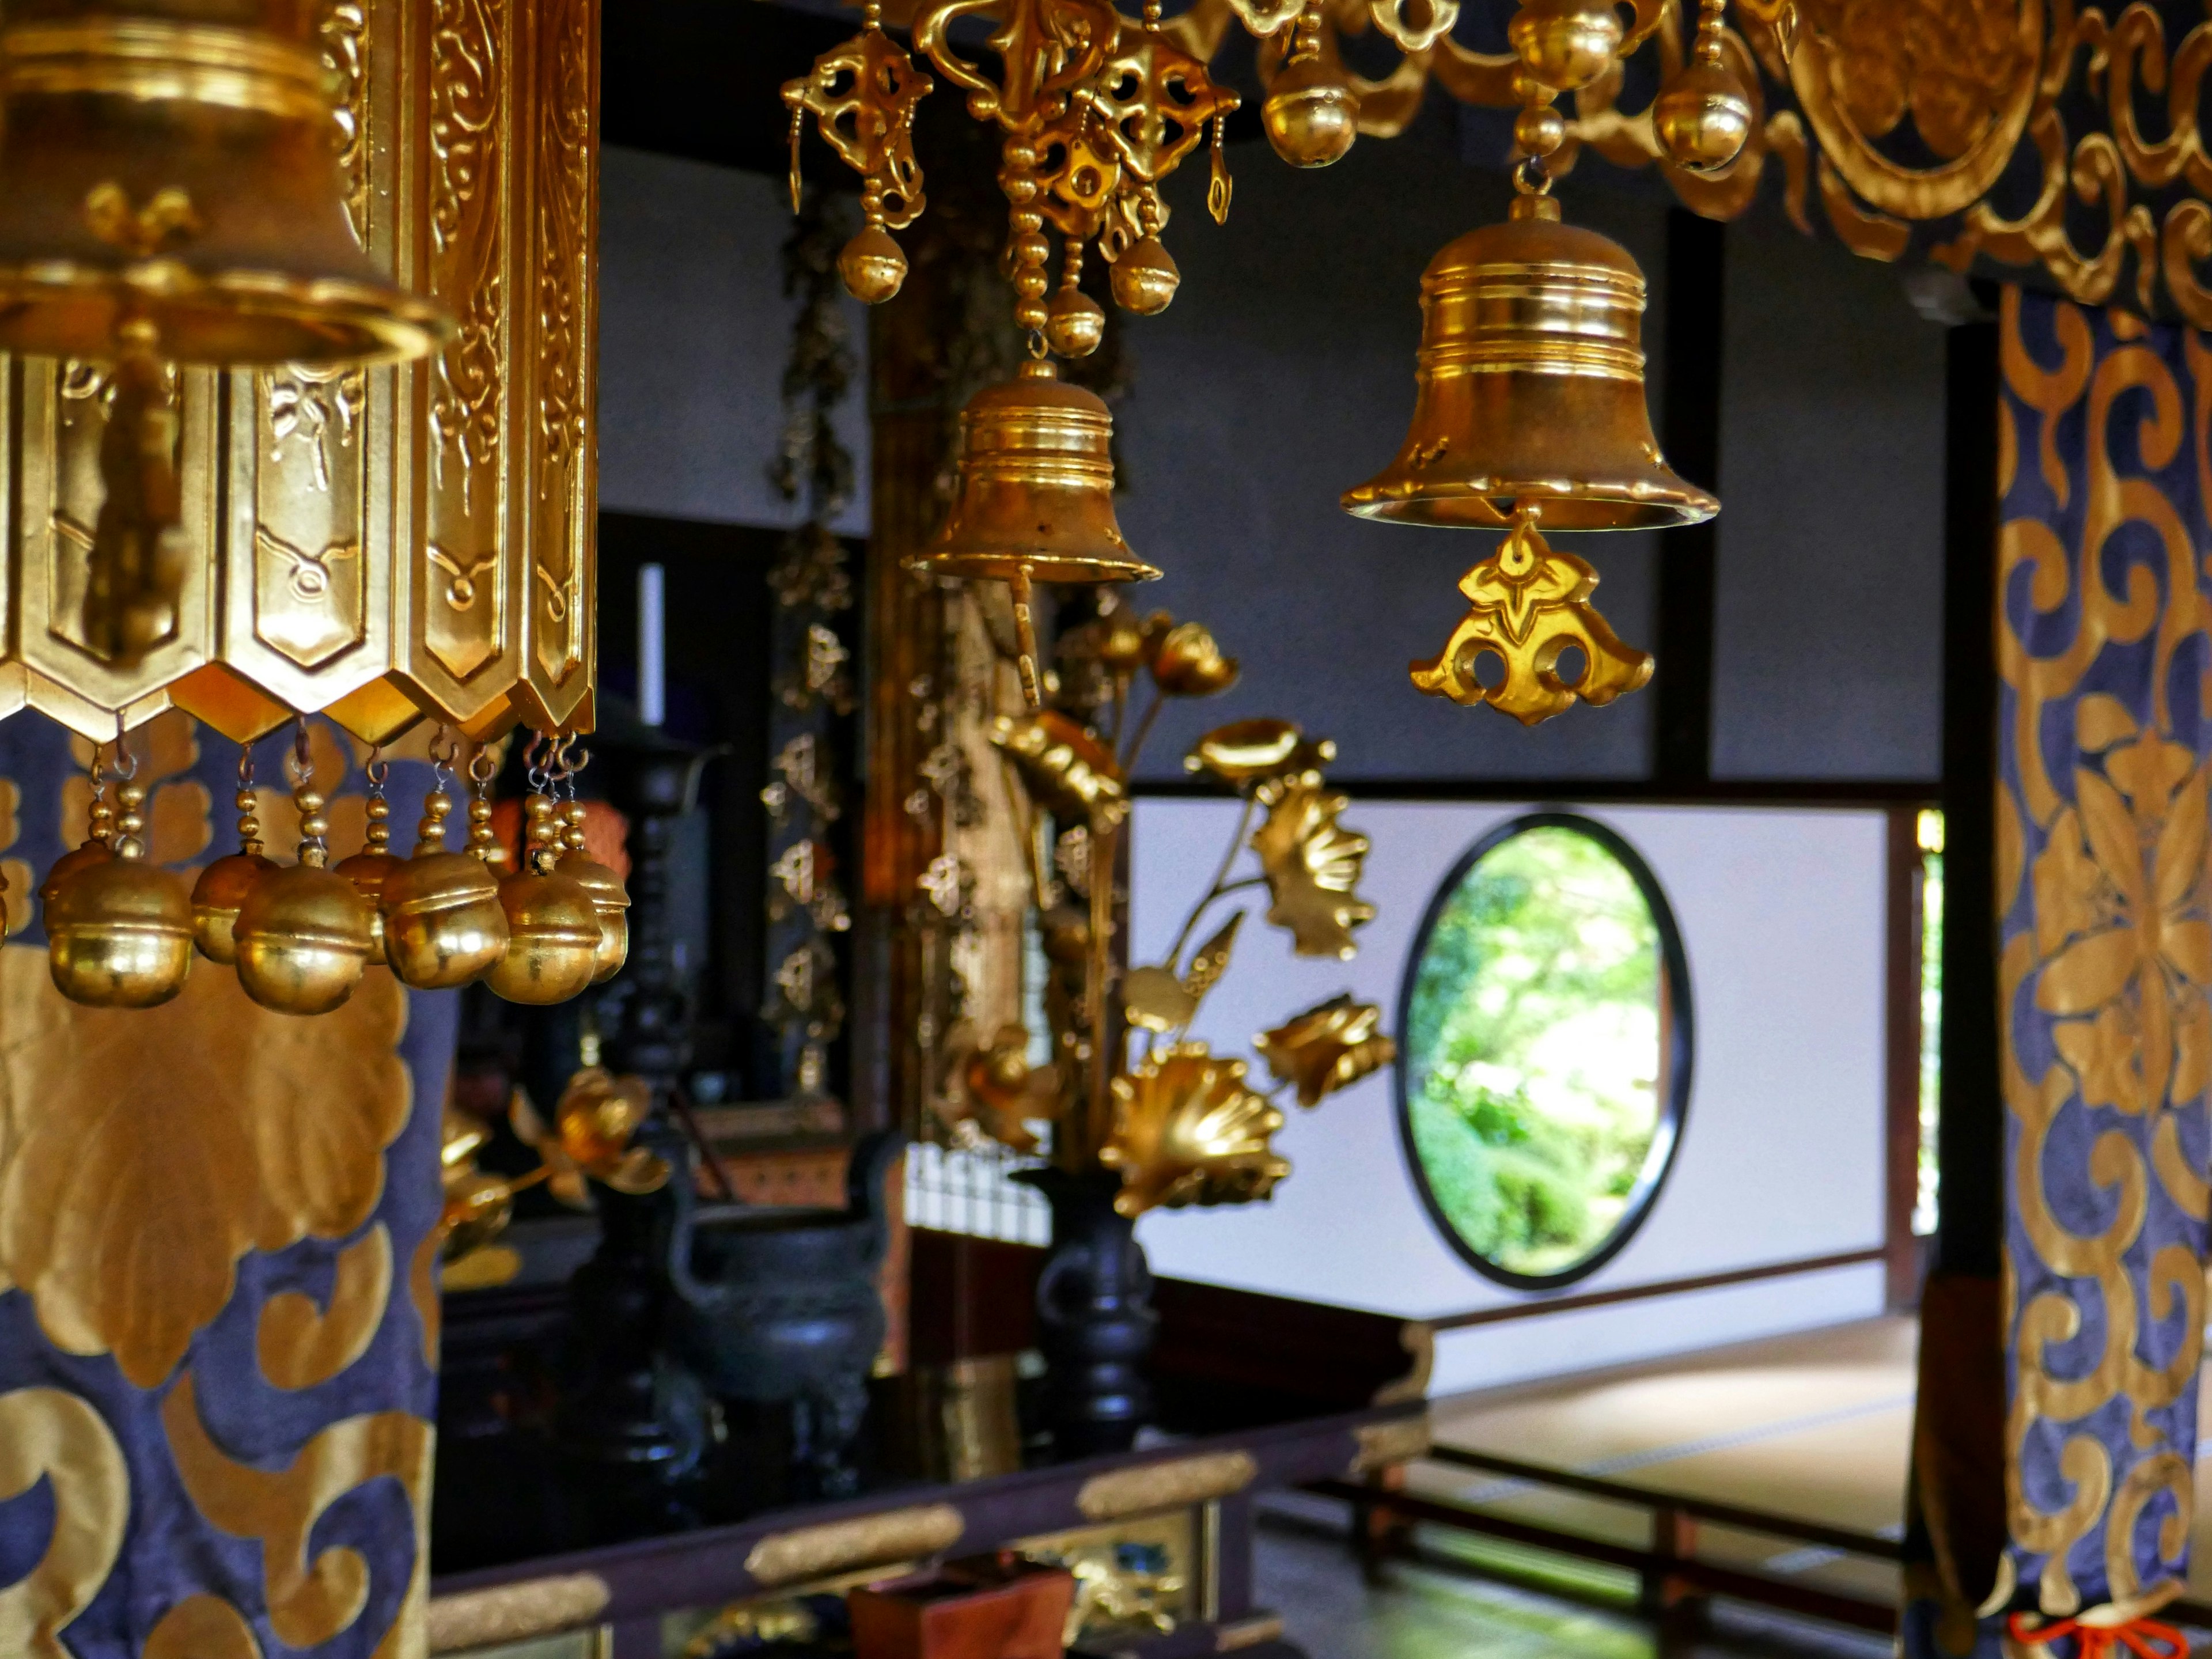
column 1530, row 388
column 443, row 925
column 119, row 933
column 301, row 939
column 553, row 939
column 218, row 897
column 175, row 163
column 1036, row 497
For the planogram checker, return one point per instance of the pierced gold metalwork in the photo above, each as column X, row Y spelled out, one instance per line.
column 861, row 95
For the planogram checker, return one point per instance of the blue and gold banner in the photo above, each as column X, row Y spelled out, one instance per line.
column 2104, row 651
column 218, row 1251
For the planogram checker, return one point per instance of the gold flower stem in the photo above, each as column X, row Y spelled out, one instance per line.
column 1099, row 1124
column 1026, row 645
column 1144, row 730
column 1029, row 824
column 1216, row 889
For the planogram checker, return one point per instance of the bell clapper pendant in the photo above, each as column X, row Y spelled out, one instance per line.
column 135, row 570
column 1311, row 116
column 553, row 927
column 119, row 929
column 222, row 886
column 610, row 898
column 1075, row 322
column 443, row 925
column 302, row 937
column 1703, row 115
column 371, row 866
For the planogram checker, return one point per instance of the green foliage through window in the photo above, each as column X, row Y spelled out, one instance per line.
column 1536, row 1065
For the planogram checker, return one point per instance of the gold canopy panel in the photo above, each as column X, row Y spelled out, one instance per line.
column 382, row 543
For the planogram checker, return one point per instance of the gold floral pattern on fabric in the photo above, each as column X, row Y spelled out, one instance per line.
column 46, row 1434
column 2105, row 654
column 300, row 1345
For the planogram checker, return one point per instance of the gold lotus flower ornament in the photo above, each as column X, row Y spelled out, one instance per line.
column 1327, row 1047
column 1312, row 864
column 1063, row 765
column 1189, row 664
column 996, row 1088
column 589, row 1137
column 1260, row 751
column 1187, row 1130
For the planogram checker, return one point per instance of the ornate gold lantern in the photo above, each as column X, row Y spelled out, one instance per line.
column 1035, row 497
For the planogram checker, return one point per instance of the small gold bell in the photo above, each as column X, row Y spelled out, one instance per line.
column 371, row 867
column 223, row 885
column 610, row 898
column 1566, row 44
column 873, row 265
column 1702, row 116
column 1311, row 116
column 443, row 925
column 119, row 929
column 1146, row 277
column 1075, row 322
column 302, row 936
column 1529, row 387
column 553, row 933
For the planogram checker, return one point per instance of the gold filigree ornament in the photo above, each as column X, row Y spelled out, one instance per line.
column 1187, row 1130
column 1328, row 1046
column 862, row 96
column 1312, row 864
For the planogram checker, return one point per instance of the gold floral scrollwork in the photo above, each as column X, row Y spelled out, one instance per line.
column 201, row 1627
column 300, row 1345
column 311, row 1598
column 50, row 1435
column 1530, row 604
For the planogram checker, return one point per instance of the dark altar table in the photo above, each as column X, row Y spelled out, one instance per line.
column 1256, row 1393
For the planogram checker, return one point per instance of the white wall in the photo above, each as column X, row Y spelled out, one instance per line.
column 1781, row 919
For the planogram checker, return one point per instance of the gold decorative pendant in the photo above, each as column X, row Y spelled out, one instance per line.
column 1530, row 604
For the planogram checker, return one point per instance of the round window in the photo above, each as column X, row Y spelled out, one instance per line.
column 1545, row 1035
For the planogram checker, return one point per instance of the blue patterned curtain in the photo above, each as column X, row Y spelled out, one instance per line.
column 218, row 1313
column 2105, row 651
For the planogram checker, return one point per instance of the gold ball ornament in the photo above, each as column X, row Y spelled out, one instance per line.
column 119, row 933
column 302, row 939
column 1538, row 130
column 1702, row 116
column 368, row 872
column 873, row 266
column 1566, row 44
column 1311, row 119
column 1146, row 277
column 217, row 897
column 1075, row 322
column 553, row 939
column 442, row 921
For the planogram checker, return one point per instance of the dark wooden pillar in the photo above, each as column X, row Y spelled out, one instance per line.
column 1689, row 435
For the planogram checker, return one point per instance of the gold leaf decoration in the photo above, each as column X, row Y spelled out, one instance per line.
column 1189, row 663
column 1187, row 1131
column 52, row 1435
column 1312, row 864
column 1067, row 769
column 1258, row 751
column 1211, row 960
column 310, row 1600
column 1156, row 999
column 128, row 1192
column 300, row 1345
column 1327, row 1047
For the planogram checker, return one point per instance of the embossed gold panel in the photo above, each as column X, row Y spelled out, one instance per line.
column 381, row 543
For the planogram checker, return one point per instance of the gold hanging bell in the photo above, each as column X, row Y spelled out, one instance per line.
column 1530, row 388
column 1035, row 497
column 176, row 163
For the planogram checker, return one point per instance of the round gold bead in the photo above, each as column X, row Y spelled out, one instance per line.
column 1310, row 118
column 302, row 939
column 119, row 935
column 1703, row 117
column 1539, row 129
column 1146, row 277
column 873, row 266
column 217, row 897
column 553, row 939
column 443, row 925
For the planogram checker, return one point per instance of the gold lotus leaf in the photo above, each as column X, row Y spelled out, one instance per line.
column 1187, row 1131
column 1066, row 767
column 1260, row 752
column 143, row 1152
column 598, row 1117
column 1312, row 864
column 564, row 1180
column 1189, row 664
column 1212, row 960
column 1156, row 999
column 1328, row 1047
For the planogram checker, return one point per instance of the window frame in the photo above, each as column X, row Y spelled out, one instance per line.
column 1674, row 1111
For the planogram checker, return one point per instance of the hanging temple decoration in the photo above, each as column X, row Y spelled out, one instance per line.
column 298, row 422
